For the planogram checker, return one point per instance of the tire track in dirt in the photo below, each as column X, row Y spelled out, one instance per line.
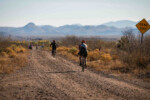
column 111, row 85
column 49, row 78
column 69, row 86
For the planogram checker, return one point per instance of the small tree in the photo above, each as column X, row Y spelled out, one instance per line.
column 122, row 43
column 131, row 52
column 70, row 40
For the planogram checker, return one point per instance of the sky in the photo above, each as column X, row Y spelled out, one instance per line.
column 60, row 12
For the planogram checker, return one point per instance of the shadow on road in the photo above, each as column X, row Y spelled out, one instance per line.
column 63, row 72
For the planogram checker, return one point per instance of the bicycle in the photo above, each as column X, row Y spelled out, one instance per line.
column 83, row 63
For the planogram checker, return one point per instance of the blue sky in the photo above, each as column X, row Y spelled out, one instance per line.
column 61, row 12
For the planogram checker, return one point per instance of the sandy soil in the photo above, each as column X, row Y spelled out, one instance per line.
column 54, row 78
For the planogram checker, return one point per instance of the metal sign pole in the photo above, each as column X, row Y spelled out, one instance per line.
column 141, row 39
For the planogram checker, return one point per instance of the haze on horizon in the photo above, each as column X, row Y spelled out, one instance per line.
column 61, row 12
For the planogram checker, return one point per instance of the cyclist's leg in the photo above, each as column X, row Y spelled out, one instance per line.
column 85, row 60
column 55, row 49
column 80, row 59
column 52, row 51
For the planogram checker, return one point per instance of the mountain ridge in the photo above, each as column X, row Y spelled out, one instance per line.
column 110, row 28
column 31, row 29
column 123, row 23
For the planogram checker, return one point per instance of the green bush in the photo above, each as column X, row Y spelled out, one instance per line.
column 73, row 50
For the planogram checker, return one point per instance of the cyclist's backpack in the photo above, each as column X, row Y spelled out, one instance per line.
column 83, row 51
column 54, row 45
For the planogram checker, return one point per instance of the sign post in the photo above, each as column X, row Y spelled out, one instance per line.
column 142, row 39
column 143, row 26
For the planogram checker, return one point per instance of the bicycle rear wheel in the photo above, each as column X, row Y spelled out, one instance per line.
column 83, row 63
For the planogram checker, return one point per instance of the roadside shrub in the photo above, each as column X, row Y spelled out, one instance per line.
column 4, row 44
column 123, row 42
column 142, row 62
column 70, row 41
column 9, row 57
column 7, row 65
column 132, row 52
column 3, row 54
column 106, row 57
column 62, row 48
column 22, row 50
column 69, row 56
column 12, row 55
column 114, row 57
column 13, row 47
column 18, row 49
column 93, row 55
column 73, row 51
column 9, row 51
column 94, row 43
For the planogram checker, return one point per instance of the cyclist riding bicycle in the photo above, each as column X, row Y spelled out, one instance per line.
column 53, row 45
column 83, row 51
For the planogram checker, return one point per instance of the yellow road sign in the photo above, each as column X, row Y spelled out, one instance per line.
column 143, row 26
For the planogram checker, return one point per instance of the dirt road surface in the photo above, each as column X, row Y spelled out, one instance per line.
column 49, row 78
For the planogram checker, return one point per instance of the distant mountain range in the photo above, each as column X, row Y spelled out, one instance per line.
column 106, row 29
column 122, row 23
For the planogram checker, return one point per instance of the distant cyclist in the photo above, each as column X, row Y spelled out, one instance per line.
column 53, row 45
column 83, row 51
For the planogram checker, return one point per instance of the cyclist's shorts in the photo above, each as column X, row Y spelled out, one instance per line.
column 84, row 54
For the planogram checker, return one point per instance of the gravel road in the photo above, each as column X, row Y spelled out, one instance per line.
column 55, row 78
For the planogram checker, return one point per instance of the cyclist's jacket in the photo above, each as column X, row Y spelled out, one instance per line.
column 83, row 50
column 53, row 44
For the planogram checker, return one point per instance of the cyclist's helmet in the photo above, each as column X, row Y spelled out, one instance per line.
column 83, row 41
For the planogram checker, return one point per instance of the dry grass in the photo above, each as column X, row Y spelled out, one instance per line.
column 108, row 61
column 103, row 65
column 130, row 58
column 73, row 51
column 8, row 65
column 93, row 55
column 11, row 58
column 3, row 54
column 47, row 48
column 69, row 56
column 134, row 55
column 100, row 60
column 63, row 48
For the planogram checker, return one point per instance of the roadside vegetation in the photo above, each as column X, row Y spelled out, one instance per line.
column 12, row 55
column 126, row 56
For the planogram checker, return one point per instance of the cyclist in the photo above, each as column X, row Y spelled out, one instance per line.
column 83, row 51
column 30, row 46
column 53, row 45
